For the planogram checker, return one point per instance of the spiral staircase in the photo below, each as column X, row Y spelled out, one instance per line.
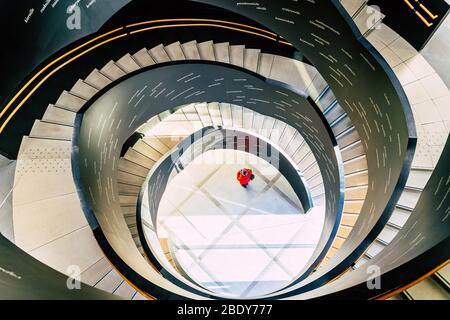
column 399, row 146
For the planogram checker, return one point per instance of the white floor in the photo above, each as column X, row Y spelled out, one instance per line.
column 235, row 241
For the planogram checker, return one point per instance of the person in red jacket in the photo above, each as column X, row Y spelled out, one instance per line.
column 244, row 176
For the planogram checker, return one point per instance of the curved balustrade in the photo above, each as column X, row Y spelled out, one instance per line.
column 150, row 91
column 367, row 90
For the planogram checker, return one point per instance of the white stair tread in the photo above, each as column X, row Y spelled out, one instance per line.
column 175, row 52
column 60, row 116
column 214, row 111
column 293, row 72
column 222, row 52
column 51, row 131
column 237, row 116
column 139, row 158
column 155, row 143
column 190, row 50
column 159, row 54
column 97, row 79
column 206, row 50
column 70, row 102
column 146, row 150
column 418, row 178
column 143, row 58
column 237, row 55
column 127, row 63
column 112, row 71
column 265, row 64
column 96, row 272
column 83, row 90
column 251, row 59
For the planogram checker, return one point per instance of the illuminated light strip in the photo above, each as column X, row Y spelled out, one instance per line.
column 203, row 25
column 94, row 47
column 406, row 287
column 409, row 5
column 204, row 20
column 52, row 73
column 428, row 24
column 432, row 16
column 51, row 64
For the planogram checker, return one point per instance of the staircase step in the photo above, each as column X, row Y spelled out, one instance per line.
column 159, row 54
column 258, row 120
column 59, row 116
column 175, row 52
column 353, row 206
column 126, row 200
column 317, row 86
column 341, row 125
column 353, row 6
column 251, row 59
column 355, row 165
column 237, row 55
column 367, row 20
column 139, row 158
column 399, row 217
column 349, row 137
column 293, row 72
column 190, row 50
column 326, row 100
column 357, row 179
column 349, row 219
column 206, row 50
column 214, row 112
column 156, row 144
column 97, row 80
column 70, row 102
column 409, row 198
column 352, row 151
column 418, row 178
column 125, row 291
column 143, row 58
column 128, row 178
column 133, row 168
column 147, row 151
column 222, row 52
column 127, row 63
column 312, row 171
column 375, row 248
column 46, row 130
column 127, row 189
column 237, row 116
column 315, row 181
column 83, row 90
column 428, row 289
column 225, row 110
column 110, row 282
column 334, row 112
column 247, row 119
column 277, row 131
column 387, row 234
column 203, row 113
column 355, row 193
column 344, row 231
column 112, row 71
column 287, row 137
column 96, row 272
column 265, row 64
